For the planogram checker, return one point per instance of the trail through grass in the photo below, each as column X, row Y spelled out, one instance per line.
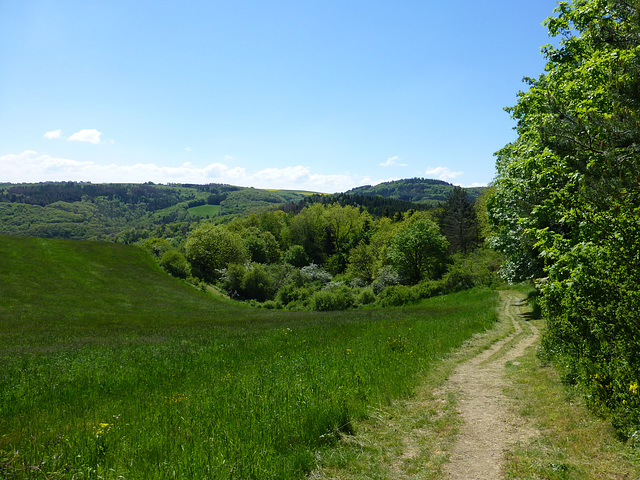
column 413, row 438
column 112, row 369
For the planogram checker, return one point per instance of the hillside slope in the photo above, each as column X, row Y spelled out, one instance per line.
column 49, row 285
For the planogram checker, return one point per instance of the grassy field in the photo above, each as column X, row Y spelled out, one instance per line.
column 205, row 210
column 113, row 369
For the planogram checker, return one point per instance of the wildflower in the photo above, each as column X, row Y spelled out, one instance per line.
column 348, row 351
column 633, row 388
column 102, row 428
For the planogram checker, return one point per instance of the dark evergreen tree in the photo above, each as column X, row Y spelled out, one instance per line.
column 459, row 222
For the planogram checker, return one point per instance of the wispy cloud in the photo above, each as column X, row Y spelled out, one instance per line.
column 442, row 173
column 88, row 135
column 31, row 166
column 393, row 161
column 53, row 134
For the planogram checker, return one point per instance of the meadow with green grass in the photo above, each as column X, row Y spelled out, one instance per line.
column 205, row 211
column 113, row 369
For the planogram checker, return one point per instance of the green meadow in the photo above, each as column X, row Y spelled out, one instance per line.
column 113, row 369
column 205, row 210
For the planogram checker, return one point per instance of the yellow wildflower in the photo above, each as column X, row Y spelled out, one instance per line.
column 633, row 388
column 102, row 428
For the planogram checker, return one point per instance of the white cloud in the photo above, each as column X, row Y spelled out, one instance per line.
column 30, row 166
column 89, row 135
column 473, row 185
column 188, row 149
column 53, row 134
column 442, row 173
column 393, row 161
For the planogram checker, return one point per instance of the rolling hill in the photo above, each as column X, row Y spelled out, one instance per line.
column 417, row 190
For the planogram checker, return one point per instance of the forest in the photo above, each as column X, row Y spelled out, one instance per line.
column 275, row 249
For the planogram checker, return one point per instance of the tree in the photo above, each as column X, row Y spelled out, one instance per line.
column 309, row 229
column 296, row 256
column 570, row 190
column 418, row 250
column 262, row 247
column 257, row 283
column 362, row 262
column 459, row 221
column 211, row 248
column 346, row 225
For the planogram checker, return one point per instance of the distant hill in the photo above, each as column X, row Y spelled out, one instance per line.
column 128, row 212
column 80, row 210
column 417, row 190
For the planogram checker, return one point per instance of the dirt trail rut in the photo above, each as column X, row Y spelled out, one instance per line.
column 490, row 425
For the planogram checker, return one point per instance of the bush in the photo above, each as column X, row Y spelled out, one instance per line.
column 338, row 298
column 429, row 288
column 231, row 278
column 157, row 246
column 366, row 297
column 257, row 283
column 397, row 295
column 271, row 305
column 175, row 263
column 475, row 269
column 387, row 276
column 315, row 273
column 292, row 296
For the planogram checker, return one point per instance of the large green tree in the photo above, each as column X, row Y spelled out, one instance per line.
column 418, row 250
column 567, row 200
column 211, row 248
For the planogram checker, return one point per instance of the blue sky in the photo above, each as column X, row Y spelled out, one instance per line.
column 316, row 95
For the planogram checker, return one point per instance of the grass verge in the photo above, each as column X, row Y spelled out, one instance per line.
column 573, row 443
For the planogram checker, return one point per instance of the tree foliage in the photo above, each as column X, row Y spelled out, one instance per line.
column 459, row 221
column 418, row 250
column 211, row 248
column 567, row 199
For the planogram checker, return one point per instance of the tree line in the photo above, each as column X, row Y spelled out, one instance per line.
column 566, row 208
column 333, row 256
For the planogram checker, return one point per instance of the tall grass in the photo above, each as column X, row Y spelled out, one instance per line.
column 112, row 369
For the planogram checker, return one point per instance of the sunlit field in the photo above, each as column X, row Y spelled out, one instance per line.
column 113, row 369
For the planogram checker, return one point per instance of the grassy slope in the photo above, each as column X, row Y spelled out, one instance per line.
column 112, row 367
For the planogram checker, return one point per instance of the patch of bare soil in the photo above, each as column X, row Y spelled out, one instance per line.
column 490, row 424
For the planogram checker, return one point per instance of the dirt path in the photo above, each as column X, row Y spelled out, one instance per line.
column 489, row 424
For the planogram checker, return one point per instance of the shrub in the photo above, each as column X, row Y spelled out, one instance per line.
column 366, row 297
column 397, row 295
column 210, row 248
column 231, row 277
column 315, row 273
column 292, row 296
column 157, row 246
column 429, row 288
column 475, row 269
column 257, row 283
column 338, row 298
column 175, row 263
column 271, row 305
column 387, row 276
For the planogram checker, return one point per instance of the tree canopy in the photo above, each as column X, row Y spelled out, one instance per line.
column 566, row 206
